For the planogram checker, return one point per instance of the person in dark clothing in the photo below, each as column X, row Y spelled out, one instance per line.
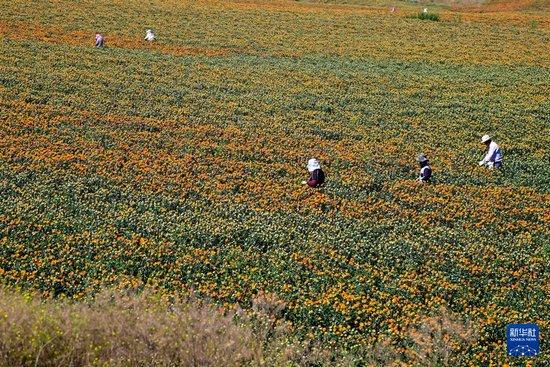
column 317, row 177
column 425, row 169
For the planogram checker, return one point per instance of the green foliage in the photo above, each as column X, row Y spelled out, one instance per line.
column 177, row 165
column 427, row 16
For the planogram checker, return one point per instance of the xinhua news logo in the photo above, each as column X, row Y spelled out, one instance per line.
column 523, row 340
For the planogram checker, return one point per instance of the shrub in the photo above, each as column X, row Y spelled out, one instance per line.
column 427, row 16
column 120, row 329
column 146, row 329
column 441, row 340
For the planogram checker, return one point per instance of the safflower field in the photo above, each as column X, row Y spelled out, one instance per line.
column 176, row 165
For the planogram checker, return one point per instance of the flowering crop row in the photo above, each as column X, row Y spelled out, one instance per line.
column 178, row 165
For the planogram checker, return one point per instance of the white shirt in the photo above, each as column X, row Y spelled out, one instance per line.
column 150, row 36
column 493, row 154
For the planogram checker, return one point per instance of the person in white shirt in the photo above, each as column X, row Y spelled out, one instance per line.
column 425, row 169
column 493, row 155
column 149, row 35
column 99, row 40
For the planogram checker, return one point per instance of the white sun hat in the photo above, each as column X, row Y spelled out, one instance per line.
column 422, row 158
column 313, row 164
column 485, row 138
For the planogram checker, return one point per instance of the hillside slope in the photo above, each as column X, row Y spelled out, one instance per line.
column 177, row 165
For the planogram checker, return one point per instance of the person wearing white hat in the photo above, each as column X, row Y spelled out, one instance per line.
column 425, row 169
column 317, row 176
column 99, row 40
column 493, row 155
column 149, row 35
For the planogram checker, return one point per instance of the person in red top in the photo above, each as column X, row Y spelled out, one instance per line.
column 317, row 177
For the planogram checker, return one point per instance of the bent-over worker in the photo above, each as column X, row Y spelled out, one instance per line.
column 493, row 155
column 149, row 35
column 425, row 169
column 317, row 176
column 99, row 40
